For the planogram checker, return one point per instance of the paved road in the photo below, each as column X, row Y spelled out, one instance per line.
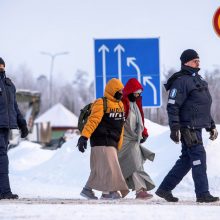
column 189, row 202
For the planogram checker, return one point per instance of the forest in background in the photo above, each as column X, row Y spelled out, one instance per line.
column 79, row 90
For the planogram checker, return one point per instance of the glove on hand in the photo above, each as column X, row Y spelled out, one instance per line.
column 144, row 138
column 175, row 134
column 213, row 134
column 24, row 131
column 82, row 143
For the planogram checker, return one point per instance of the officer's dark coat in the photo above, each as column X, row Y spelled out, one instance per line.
column 10, row 116
column 189, row 102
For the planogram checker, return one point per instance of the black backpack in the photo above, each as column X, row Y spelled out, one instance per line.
column 86, row 111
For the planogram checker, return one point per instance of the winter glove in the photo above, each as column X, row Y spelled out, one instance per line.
column 144, row 135
column 24, row 131
column 144, row 138
column 175, row 134
column 213, row 134
column 82, row 143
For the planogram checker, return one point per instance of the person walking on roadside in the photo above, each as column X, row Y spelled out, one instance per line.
column 132, row 155
column 10, row 118
column 105, row 130
column 188, row 108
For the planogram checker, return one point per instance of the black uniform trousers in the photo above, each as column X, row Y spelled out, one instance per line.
column 4, row 178
column 194, row 158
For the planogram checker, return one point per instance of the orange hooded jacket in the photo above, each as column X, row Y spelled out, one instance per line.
column 106, row 128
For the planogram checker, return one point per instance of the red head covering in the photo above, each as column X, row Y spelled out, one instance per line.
column 132, row 86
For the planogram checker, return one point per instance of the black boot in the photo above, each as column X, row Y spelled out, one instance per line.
column 8, row 195
column 207, row 198
column 167, row 195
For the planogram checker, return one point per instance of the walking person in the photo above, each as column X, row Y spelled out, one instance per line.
column 105, row 130
column 132, row 155
column 188, row 108
column 10, row 118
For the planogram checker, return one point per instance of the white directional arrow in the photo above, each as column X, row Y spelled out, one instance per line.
column 103, row 49
column 119, row 49
column 146, row 80
column 130, row 61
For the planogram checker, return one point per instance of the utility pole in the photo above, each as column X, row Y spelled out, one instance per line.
column 52, row 56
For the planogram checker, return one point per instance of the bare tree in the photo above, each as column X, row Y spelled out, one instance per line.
column 159, row 115
column 80, row 92
column 24, row 78
column 213, row 79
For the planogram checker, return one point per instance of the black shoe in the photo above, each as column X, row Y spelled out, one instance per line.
column 9, row 195
column 167, row 195
column 207, row 198
column 88, row 193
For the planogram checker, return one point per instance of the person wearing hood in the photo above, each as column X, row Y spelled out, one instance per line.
column 132, row 155
column 105, row 131
column 10, row 118
column 188, row 108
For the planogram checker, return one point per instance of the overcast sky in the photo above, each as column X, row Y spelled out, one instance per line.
column 28, row 27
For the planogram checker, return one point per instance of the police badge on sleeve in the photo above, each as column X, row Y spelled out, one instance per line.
column 172, row 96
column 173, row 93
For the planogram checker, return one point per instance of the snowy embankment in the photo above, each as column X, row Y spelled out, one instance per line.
column 62, row 173
column 52, row 180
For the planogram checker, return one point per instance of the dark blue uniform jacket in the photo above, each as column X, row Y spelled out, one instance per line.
column 189, row 101
column 10, row 116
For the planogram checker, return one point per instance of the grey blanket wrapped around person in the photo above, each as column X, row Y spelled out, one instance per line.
column 132, row 156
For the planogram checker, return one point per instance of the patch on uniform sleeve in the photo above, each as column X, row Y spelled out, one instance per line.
column 171, row 101
column 173, row 93
column 196, row 162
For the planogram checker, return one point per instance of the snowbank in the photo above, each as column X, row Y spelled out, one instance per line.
column 62, row 173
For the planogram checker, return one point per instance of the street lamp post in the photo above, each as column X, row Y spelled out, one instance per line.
column 52, row 56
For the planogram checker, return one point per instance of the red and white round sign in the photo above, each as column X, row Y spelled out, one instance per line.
column 216, row 21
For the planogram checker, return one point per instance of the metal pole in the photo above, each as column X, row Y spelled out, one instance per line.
column 52, row 56
column 51, row 79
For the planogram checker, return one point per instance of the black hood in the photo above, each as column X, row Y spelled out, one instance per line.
column 185, row 70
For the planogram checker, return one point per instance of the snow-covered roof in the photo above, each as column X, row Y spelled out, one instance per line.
column 58, row 116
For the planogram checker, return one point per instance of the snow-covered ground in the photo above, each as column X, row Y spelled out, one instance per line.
column 108, row 212
column 38, row 173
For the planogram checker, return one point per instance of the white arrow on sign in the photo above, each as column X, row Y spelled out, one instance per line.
column 103, row 49
column 130, row 61
column 119, row 49
column 146, row 80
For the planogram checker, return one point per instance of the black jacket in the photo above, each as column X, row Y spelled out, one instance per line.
column 189, row 101
column 10, row 116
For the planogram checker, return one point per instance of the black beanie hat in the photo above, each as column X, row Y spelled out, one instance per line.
column 2, row 61
column 188, row 55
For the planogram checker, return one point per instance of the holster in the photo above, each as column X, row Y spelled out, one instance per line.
column 189, row 137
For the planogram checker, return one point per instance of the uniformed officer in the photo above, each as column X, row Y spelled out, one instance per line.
column 188, row 109
column 10, row 118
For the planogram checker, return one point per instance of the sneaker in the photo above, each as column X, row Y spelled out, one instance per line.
column 111, row 196
column 9, row 195
column 207, row 198
column 167, row 195
column 115, row 195
column 143, row 195
column 106, row 196
column 88, row 193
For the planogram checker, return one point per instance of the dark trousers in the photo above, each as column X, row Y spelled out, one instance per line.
column 4, row 179
column 191, row 158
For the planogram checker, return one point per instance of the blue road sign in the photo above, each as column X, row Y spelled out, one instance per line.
column 129, row 58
